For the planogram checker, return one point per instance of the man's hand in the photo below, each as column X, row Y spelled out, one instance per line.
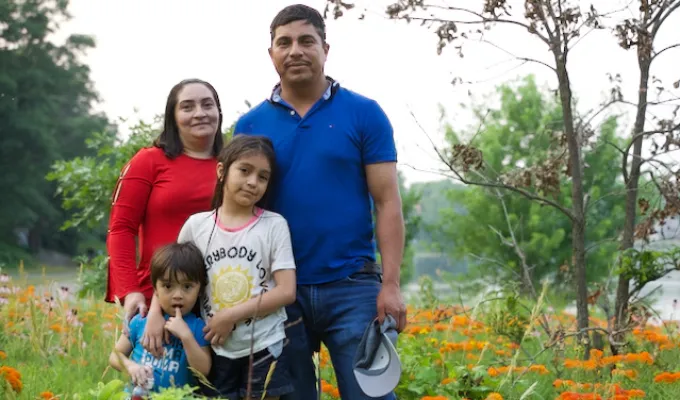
column 218, row 329
column 391, row 303
column 177, row 326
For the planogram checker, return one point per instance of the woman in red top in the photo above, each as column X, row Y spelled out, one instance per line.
column 160, row 188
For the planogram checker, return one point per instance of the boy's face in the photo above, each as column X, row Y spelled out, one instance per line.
column 172, row 294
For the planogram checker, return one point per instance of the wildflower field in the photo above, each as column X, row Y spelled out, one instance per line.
column 54, row 345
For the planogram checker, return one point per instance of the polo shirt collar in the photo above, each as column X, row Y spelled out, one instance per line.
column 330, row 91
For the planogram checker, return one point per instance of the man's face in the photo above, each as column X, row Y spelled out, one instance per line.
column 298, row 53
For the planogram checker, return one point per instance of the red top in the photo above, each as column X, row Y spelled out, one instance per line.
column 153, row 198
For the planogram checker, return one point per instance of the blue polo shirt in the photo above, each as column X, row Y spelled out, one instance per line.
column 320, row 184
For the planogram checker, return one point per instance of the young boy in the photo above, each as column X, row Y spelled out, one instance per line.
column 179, row 277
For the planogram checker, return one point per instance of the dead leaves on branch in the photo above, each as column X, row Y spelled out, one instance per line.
column 544, row 178
column 466, row 157
column 670, row 199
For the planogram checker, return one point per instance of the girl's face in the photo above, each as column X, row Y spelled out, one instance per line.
column 247, row 179
column 172, row 294
column 196, row 113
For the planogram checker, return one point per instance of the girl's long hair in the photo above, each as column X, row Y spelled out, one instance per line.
column 237, row 147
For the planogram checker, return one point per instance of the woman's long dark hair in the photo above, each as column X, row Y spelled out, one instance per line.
column 169, row 139
column 237, row 147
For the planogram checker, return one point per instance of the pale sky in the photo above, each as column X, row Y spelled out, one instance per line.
column 144, row 47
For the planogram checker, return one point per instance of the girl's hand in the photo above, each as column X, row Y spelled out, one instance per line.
column 218, row 329
column 140, row 374
column 177, row 326
column 154, row 334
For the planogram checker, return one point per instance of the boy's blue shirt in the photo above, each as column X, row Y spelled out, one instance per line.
column 173, row 367
column 320, row 183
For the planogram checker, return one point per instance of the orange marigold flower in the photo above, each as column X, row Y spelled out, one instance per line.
column 13, row 377
column 48, row 396
column 667, row 377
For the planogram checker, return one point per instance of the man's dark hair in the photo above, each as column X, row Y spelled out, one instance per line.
column 299, row 12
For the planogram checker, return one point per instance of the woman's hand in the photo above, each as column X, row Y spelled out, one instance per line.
column 218, row 329
column 134, row 303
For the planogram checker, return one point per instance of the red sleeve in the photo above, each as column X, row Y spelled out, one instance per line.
column 130, row 198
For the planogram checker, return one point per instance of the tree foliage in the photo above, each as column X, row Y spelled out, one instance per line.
column 46, row 99
column 522, row 131
column 559, row 25
column 410, row 197
column 86, row 186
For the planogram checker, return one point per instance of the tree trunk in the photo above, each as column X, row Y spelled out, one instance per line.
column 628, row 240
column 579, row 219
column 527, row 282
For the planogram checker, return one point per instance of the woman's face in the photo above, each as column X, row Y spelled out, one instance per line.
column 196, row 113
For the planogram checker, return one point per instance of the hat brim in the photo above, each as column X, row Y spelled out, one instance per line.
column 383, row 375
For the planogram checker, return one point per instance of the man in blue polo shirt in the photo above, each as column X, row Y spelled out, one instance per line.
column 336, row 161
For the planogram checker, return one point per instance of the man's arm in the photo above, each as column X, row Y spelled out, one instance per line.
column 383, row 185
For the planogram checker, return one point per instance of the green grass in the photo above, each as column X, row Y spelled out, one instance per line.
column 447, row 352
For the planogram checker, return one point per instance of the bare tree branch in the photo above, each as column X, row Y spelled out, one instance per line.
column 499, row 185
column 632, row 141
column 518, row 57
column 484, row 19
column 673, row 46
column 669, row 9
column 526, row 275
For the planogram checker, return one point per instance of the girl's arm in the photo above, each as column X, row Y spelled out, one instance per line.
column 282, row 266
column 283, row 270
column 219, row 327
column 280, row 296
column 154, row 335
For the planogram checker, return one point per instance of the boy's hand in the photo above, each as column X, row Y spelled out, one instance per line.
column 218, row 329
column 140, row 374
column 177, row 326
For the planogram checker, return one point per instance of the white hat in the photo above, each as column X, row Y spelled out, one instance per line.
column 376, row 364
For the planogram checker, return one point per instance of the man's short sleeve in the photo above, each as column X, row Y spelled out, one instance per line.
column 377, row 136
column 199, row 324
column 242, row 127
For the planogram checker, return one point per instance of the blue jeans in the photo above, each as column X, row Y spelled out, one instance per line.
column 337, row 314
